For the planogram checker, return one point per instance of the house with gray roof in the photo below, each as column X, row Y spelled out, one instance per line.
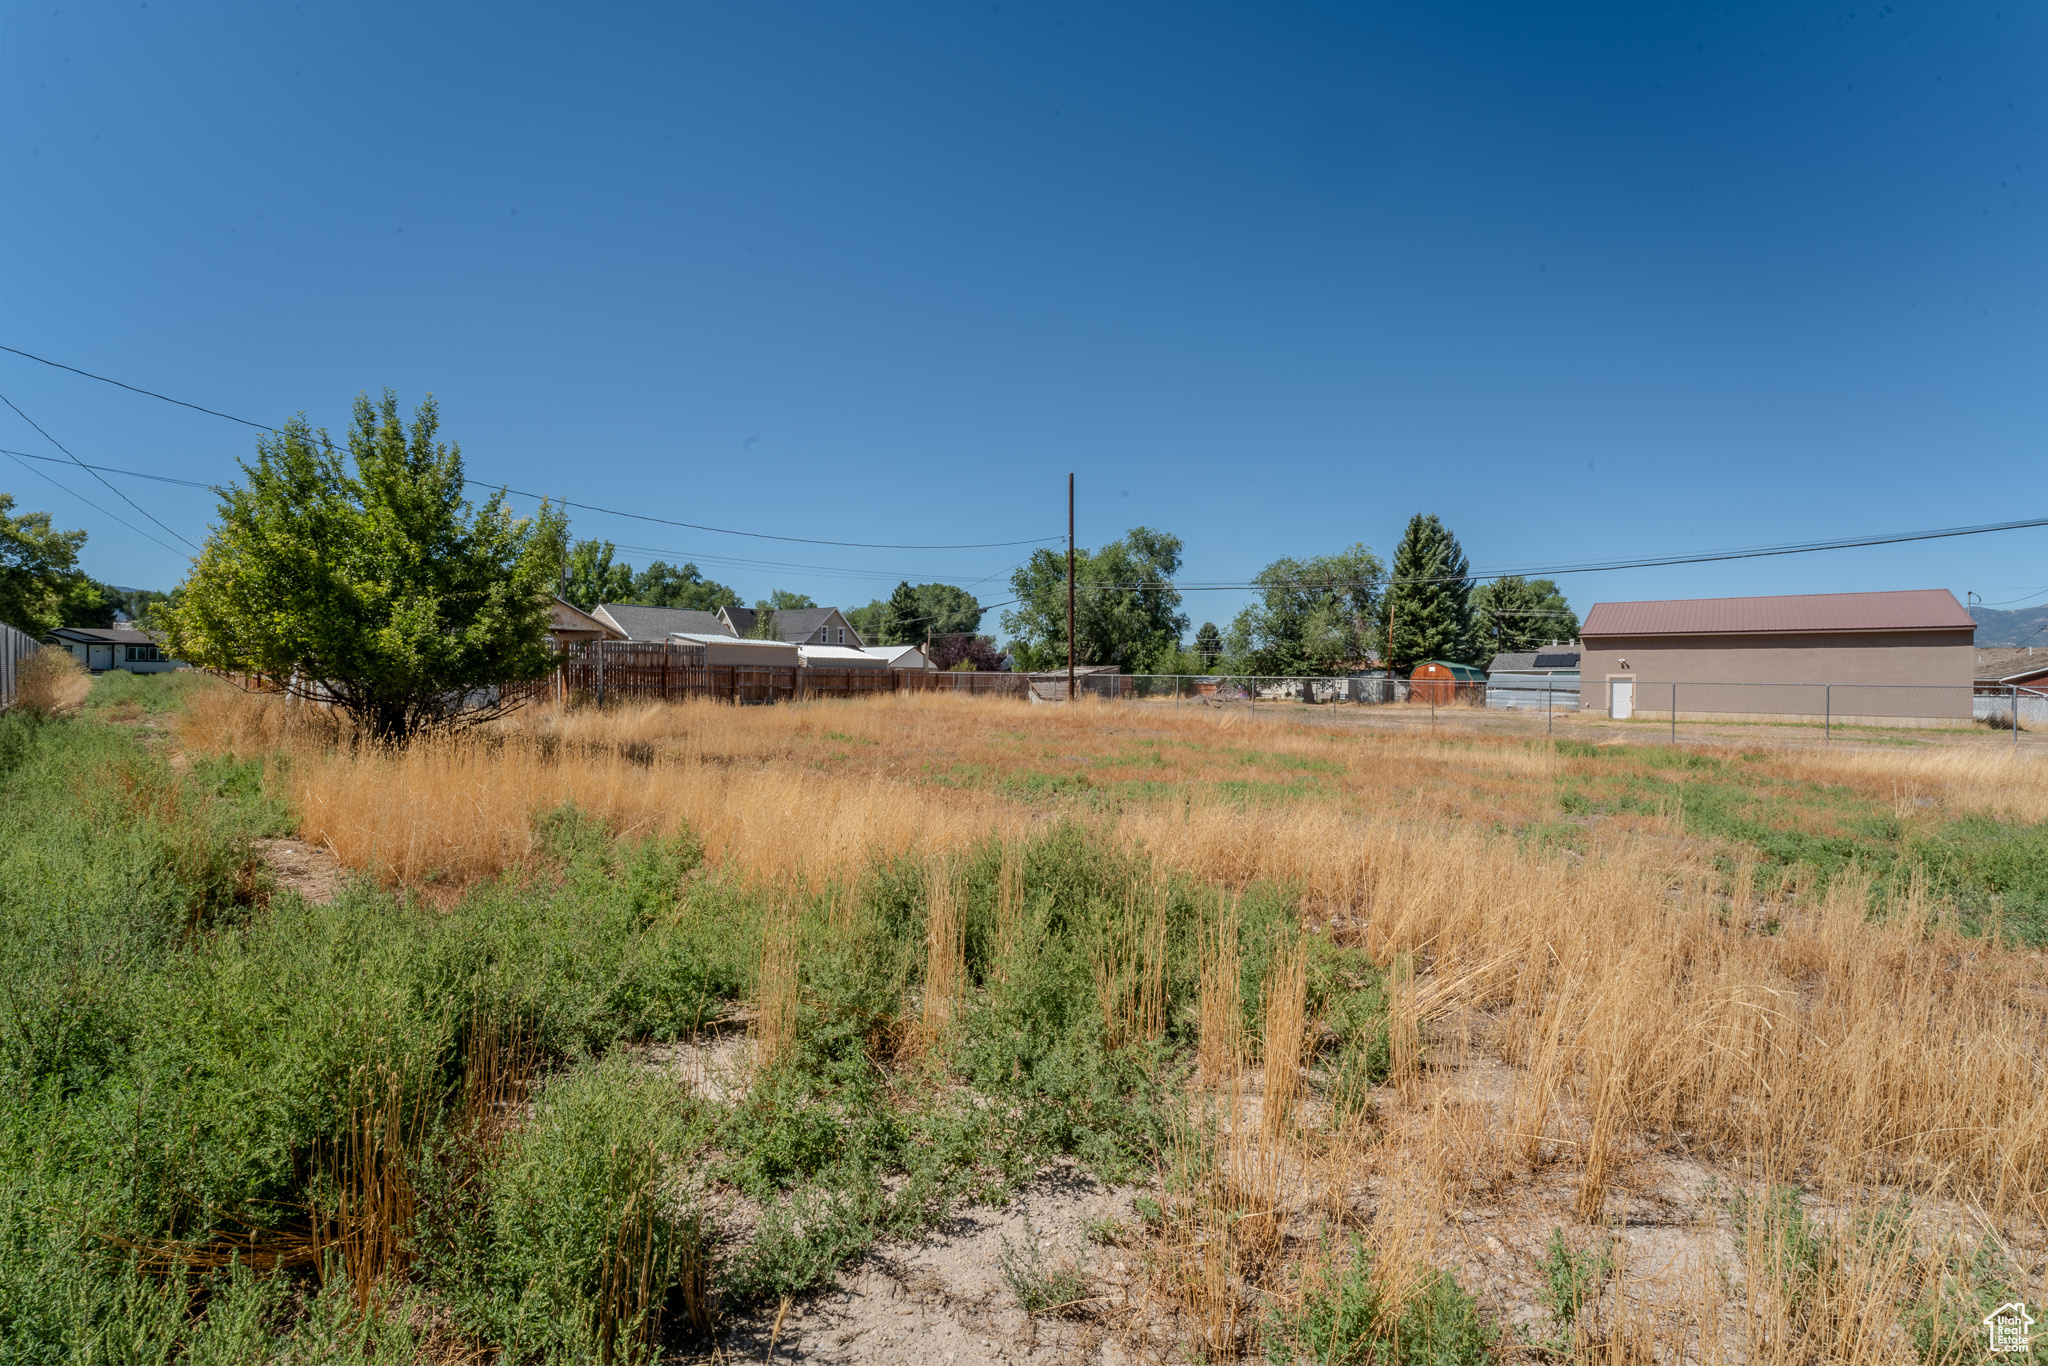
column 797, row 625
column 657, row 624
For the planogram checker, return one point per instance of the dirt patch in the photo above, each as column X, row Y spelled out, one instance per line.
column 944, row 1297
column 314, row 873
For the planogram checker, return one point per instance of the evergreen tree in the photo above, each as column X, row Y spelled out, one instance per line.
column 1428, row 603
column 900, row 624
column 1514, row 614
column 1209, row 643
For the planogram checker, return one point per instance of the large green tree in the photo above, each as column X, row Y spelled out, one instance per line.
column 781, row 600
column 664, row 585
column 913, row 610
column 39, row 576
column 1312, row 616
column 593, row 577
column 1428, row 602
column 1209, row 643
column 379, row 588
column 1513, row 614
column 1126, row 609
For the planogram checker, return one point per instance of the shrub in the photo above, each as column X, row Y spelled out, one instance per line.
column 1344, row 1318
column 51, row 682
column 589, row 1244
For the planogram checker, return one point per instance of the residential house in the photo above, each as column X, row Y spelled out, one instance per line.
column 634, row 621
column 797, row 625
column 571, row 625
column 115, row 647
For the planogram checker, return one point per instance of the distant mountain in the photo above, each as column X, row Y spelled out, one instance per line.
column 2027, row 626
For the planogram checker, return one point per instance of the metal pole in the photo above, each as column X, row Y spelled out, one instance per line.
column 1827, row 714
column 2015, row 718
column 1674, row 713
column 1070, row 586
column 1548, row 688
column 1176, row 692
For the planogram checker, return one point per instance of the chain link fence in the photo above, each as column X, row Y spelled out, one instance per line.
column 1643, row 702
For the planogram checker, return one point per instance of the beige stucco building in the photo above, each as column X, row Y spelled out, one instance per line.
column 1883, row 658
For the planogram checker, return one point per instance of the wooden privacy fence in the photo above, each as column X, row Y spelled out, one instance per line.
column 612, row 671
column 15, row 649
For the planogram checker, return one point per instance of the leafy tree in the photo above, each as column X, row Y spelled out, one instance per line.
column 1312, row 616
column 38, row 570
column 382, row 589
column 781, row 600
column 966, row 652
column 593, row 578
column 1428, row 598
column 928, row 609
column 135, row 603
column 1209, row 643
column 88, row 602
column 870, row 623
column 663, row 585
column 1516, row 614
column 1126, row 609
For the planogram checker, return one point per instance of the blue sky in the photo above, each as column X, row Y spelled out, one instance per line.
column 1587, row 281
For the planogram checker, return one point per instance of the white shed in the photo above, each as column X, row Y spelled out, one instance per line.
column 900, row 657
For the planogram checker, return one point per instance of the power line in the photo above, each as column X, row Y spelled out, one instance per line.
column 95, row 474
column 484, row 484
column 87, row 501
column 133, row 390
column 112, row 469
column 1601, row 567
column 763, row 535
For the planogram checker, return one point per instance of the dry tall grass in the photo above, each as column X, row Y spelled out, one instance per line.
column 51, row 682
column 1621, row 985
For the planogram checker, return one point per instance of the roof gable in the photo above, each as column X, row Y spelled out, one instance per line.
column 641, row 622
column 1920, row 609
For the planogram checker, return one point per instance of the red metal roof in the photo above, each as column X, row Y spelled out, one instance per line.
column 1919, row 609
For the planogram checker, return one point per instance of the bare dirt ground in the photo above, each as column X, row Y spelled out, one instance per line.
column 314, row 873
column 1666, row 1235
column 943, row 1298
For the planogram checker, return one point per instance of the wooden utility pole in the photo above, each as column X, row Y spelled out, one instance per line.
column 1070, row 586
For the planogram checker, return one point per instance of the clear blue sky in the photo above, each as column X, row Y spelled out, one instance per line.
column 1588, row 281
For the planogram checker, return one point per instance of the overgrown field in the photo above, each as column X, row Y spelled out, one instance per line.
column 627, row 1024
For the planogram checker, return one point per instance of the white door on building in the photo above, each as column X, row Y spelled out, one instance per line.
column 99, row 657
column 1621, row 698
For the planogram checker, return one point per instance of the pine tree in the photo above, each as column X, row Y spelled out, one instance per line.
column 1428, row 603
column 1516, row 614
column 900, row 625
column 1208, row 643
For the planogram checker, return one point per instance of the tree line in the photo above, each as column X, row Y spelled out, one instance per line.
column 1314, row 615
column 359, row 572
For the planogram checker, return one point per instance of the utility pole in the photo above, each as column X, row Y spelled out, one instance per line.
column 1070, row 586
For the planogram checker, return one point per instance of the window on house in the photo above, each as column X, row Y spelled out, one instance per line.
column 144, row 654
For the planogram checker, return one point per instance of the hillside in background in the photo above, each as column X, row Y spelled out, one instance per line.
column 2027, row 626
